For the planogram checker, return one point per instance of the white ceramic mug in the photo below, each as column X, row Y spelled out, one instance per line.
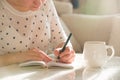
column 96, row 53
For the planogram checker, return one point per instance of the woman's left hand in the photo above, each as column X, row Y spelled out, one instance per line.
column 67, row 56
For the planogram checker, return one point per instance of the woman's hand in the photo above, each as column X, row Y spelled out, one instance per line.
column 67, row 56
column 30, row 55
column 36, row 54
column 43, row 56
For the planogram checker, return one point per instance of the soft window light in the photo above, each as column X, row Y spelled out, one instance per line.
column 99, row 7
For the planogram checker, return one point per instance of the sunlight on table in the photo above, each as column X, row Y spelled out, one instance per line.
column 99, row 74
column 19, row 76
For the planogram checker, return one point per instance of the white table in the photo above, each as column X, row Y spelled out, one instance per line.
column 111, row 71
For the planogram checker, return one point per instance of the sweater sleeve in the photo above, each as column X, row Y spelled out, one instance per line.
column 57, row 33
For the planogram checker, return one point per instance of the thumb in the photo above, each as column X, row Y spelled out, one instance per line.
column 57, row 51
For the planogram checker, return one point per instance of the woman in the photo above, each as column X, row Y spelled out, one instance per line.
column 27, row 27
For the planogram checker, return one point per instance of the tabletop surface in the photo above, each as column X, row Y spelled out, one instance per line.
column 110, row 71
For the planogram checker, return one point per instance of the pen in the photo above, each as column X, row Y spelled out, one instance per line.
column 63, row 48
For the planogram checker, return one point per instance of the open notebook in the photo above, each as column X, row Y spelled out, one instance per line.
column 44, row 65
column 78, row 62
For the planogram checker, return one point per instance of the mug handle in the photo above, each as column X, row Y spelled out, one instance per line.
column 113, row 51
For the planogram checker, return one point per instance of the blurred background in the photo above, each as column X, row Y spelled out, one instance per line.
column 90, row 20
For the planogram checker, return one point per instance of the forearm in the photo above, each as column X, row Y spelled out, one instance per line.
column 4, row 60
column 30, row 55
column 11, row 59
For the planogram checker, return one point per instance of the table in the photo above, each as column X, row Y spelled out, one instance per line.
column 110, row 71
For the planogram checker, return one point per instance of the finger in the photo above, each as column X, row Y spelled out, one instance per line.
column 70, row 60
column 68, row 57
column 40, row 52
column 47, row 58
column 43, row 55
column 68, row 50
column 57, row 51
